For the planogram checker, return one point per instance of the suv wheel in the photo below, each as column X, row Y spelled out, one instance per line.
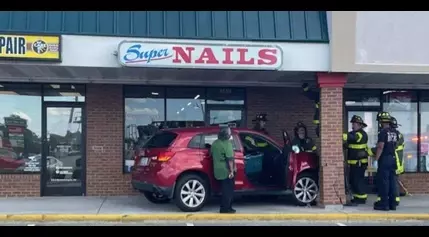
column 306, row 189
column 156, row 198
column 191, row 193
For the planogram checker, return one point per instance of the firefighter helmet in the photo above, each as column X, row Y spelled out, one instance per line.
column 358, row 119
column 384, row 117
column 260, row 117
column 394, row 122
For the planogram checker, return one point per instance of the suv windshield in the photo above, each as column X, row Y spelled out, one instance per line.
column 160, row 140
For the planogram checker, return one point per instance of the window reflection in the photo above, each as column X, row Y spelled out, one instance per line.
column 64, row 92
column 403, row 106
column 20, row 127
column 144, row 116
column 185, row 107
column 424, row 131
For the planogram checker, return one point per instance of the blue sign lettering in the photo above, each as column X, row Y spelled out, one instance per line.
column 135, row 53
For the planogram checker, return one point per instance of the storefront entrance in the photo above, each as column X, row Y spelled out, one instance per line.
column 63, row 155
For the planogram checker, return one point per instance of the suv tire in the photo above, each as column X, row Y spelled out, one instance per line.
column 155, row 198
column 191, row 193
column 308, row 185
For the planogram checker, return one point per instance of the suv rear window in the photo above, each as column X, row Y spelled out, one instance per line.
column 161, row 140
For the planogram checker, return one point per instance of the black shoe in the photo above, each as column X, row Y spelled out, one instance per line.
column 231, row 211
column 402, row 194
column 392, row 208
column 359, row 201
column 379, row 208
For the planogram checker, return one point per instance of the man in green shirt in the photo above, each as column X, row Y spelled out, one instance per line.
column 224, row 168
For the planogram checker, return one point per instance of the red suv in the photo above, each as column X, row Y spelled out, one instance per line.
column 176, row 164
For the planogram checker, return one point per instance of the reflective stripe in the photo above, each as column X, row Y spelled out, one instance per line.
column 359, row 137
column 398, row 164
column 370, row 153
column 378, row 199
column 397, row 199
column 262, row 144
column 362, row 196
column 345, row 136
column 317, row 105
column 399, row 148
column 314, row 148
column 316, row 121
column 305, row 89
column 357, row 146
column 354, row 162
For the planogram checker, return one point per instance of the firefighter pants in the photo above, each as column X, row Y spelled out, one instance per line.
column 398, row 188
column 387, row 182
column 318, row 130
column 357, row 182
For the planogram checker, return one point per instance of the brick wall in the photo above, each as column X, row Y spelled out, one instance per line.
column 416, row 183
column 332, row 168
column 284, row 107
column 22, row 185
column 105, row 133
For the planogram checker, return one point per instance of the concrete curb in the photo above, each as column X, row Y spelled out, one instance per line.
column 215, row 216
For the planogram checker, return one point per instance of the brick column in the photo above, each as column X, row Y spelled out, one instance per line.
column 331, row 181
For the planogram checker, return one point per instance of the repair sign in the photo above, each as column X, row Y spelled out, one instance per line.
column 34, row 47
column 199, row 55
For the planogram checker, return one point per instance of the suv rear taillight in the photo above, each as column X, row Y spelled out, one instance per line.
column 145, row 160
column 165, row 156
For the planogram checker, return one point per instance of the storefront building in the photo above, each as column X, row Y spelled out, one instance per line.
column 382, row 57
column 75, row 86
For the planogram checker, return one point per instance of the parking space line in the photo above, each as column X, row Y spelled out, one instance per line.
column 189, row 224
column 341, row 224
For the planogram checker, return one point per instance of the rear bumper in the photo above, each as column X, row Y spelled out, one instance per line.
column 143, row 186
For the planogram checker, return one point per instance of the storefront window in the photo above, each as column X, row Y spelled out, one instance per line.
column 185, row 107
column 403, row 106
column 20, row 128
column 64, row 92
column 362, row 98
column 144, row 115
column 424, row 131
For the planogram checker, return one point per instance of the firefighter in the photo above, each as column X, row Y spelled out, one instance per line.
column 315, row 97
column 302, row 140
column 386, row 169
column 399, row 157
column 260, row 122
column 357, row 158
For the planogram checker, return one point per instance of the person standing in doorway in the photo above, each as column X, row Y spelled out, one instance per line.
column 302, row 140
column 224, row 168
column 386, row 167
column 357, row 158
column 260, row 122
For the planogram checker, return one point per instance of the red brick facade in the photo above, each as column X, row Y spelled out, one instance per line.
column 284, row 106
column 331, row 127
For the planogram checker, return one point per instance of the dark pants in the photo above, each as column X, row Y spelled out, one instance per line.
column 387, row 182
column 357, row 182
column 318, row 130
column 227, row 186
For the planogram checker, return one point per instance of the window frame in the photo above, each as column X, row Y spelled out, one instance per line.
column 235, row 145
column 382, row 98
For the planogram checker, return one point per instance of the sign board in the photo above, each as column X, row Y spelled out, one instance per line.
column 30, row 47
column 199, row 55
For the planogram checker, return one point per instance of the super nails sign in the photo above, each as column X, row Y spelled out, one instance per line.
column 199, row 55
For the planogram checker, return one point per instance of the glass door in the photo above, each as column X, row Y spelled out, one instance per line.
column 231, row 115
column 63, row 155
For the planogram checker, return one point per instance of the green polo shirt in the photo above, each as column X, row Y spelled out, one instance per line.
column 221, row 151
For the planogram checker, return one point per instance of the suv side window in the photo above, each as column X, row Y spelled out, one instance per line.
column 196, row 142
column 204, row 141
column 252, row 142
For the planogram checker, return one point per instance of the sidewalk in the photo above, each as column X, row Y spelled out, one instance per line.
column 137, row 208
